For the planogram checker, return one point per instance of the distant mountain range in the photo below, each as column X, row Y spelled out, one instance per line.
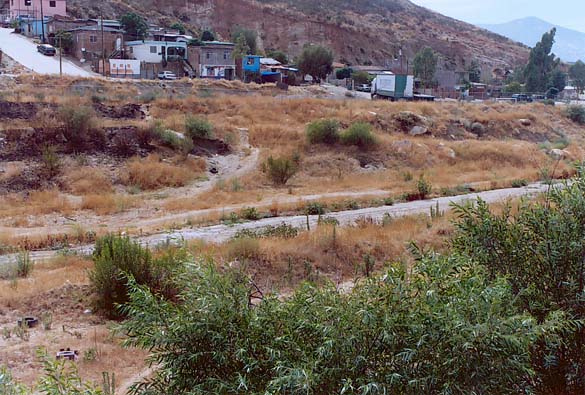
column 569, row 45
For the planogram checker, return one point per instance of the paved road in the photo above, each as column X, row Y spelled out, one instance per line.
column 221, row 233
column 25, row 52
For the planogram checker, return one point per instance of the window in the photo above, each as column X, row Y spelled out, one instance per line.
column 93, row 39
column 208, row 55
column 52, row 3
column 251, row 61
column 153, row 49
column 27, row 3
column 226, row 55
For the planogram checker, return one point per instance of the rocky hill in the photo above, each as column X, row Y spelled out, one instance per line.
column 359, row 31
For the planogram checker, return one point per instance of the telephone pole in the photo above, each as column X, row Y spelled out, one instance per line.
column 103, row 45
column 61, row 54
column 42, row 23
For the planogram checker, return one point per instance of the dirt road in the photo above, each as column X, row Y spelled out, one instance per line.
column 221, row 233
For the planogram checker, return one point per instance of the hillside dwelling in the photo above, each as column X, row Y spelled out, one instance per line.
column 59, row 22
column 87, row 42
column 213, row 59
column 267, row 69
column 171, row 37
column 125, row 68
column 156, row 51
column 32, row 27
column 37, row 9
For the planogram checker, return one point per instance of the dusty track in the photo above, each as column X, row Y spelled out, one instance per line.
column 221, row 233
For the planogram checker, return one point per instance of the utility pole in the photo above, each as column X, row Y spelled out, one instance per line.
column 103, row 46
column 42, row 23
column 61, row 54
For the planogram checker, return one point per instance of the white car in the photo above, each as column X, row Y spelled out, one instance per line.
column 167, row 75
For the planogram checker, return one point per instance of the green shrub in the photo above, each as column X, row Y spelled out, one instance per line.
column 315, row 208
column 576, row 113
column 117, row 258
column 423, row 187
column 324, row 131
column 51, row 164
column 197, row 128
column 280, row 170
column 440, row 324
column 24, row 265
column 170, row 138
column 519, row 183
column 359, row 134
column 250, row 213
column 8, row 385
column 549, row 102
column 282, row 231
column 78, row 123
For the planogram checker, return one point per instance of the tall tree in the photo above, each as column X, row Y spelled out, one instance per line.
column 316, row 61
column 134, row 25
column 241, row 49
column 250, row 36
column 425, row 65
column 577, row 74
column 278, row 55
column 178, row 26
column 474, row 71
column 557, row 80
column 207, row 35
column 541, row 63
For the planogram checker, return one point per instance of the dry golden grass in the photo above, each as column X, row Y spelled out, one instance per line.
column 88, row 180
column 45, row 277
column 37, row 203
column 152, row 173
column 108, row 203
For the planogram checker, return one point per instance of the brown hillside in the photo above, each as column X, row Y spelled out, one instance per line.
column 360, row 32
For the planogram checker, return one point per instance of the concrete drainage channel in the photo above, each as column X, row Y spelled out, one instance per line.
column 222, row 233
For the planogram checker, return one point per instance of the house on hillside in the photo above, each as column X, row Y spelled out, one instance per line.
column 266, row 69
column 37, row 9
column 213, row 59
column 157, row 56
column 88, row 43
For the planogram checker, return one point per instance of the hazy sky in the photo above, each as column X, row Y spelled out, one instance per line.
column 567, row 13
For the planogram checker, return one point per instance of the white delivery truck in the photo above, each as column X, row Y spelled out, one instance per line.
column 393, row 87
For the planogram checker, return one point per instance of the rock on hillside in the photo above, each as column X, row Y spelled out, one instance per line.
column 359, row 31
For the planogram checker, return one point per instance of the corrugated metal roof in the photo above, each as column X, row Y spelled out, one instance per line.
column 269, row 62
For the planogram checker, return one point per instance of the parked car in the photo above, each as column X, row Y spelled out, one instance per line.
column 167, row 75
column 364, row 88
column 520, row 97
column 47, row 49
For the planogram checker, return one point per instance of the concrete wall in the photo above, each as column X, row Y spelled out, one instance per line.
column 50, row 8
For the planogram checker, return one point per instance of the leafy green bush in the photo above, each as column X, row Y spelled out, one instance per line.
column 315, row 208
column 8, row 385
column 197, row 128
column 576, row 113
column 519, row 183
column 540, row 248
column 359, row 134
column 280, row 170
column 443, row 325
column 51, row 163
column 117, row 258
column 78, row 123
column 324, row 131
column 423, row 187
column 283, row 231
column 250, row 213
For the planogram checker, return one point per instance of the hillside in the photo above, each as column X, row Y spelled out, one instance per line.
column 569, row 45
column 360, row 32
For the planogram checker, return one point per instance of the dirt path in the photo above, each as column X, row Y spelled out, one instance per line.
column 221, row 233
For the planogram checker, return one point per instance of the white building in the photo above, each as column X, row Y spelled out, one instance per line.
column 156, row 51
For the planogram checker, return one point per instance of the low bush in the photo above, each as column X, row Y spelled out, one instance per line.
column 576, row 113
column 118, row 258
column 423, row 187
column 197, row 128
column 280, row 170
column 325, row 131
column 283, row 231
column 78, row 123
column 168, row 138
column 88, row 180
column 51, row 164
column 408, row 332
column 359, row 134
column 151, row 174
column 519, row 183
column 315, row 208
column 250, row 213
